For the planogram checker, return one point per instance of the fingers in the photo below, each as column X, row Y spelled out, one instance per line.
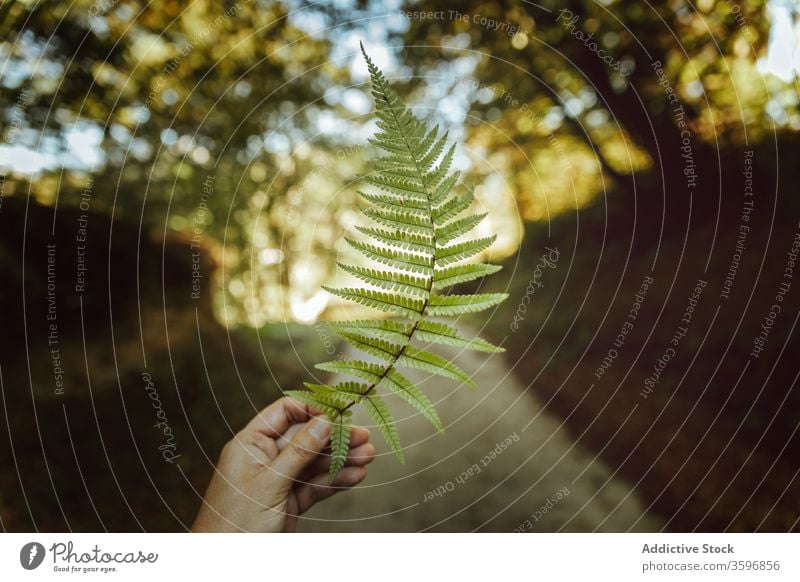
column 318, row 489
column 361, row 452
column 292, row 511
column 276, row 418
column 357, row 457
column 263, row 447
column 283, row 441
column 358, row 436
column 301, row 451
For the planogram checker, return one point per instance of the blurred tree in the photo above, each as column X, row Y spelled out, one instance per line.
column 217, row 120
column 199, row 117
column 608, row 94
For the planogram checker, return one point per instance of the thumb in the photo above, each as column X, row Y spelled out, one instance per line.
column 301, row 451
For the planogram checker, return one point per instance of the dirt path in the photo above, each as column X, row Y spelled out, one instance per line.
column 502, row 464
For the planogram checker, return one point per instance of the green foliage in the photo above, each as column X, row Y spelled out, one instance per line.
column 418, row 215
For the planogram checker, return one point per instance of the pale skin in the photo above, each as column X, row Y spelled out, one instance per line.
column 275, row 469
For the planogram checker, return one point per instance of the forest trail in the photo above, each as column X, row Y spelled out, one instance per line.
column 503, row 463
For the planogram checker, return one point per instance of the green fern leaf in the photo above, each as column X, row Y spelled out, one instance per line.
column 418, row 237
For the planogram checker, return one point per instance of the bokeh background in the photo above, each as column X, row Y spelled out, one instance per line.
column 176, row 178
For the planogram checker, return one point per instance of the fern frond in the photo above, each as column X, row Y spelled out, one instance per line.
column 417, row 237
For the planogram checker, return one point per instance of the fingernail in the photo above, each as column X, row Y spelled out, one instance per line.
column 320, row 428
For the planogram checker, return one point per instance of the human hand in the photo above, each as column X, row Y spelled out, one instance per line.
column 275, row 469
